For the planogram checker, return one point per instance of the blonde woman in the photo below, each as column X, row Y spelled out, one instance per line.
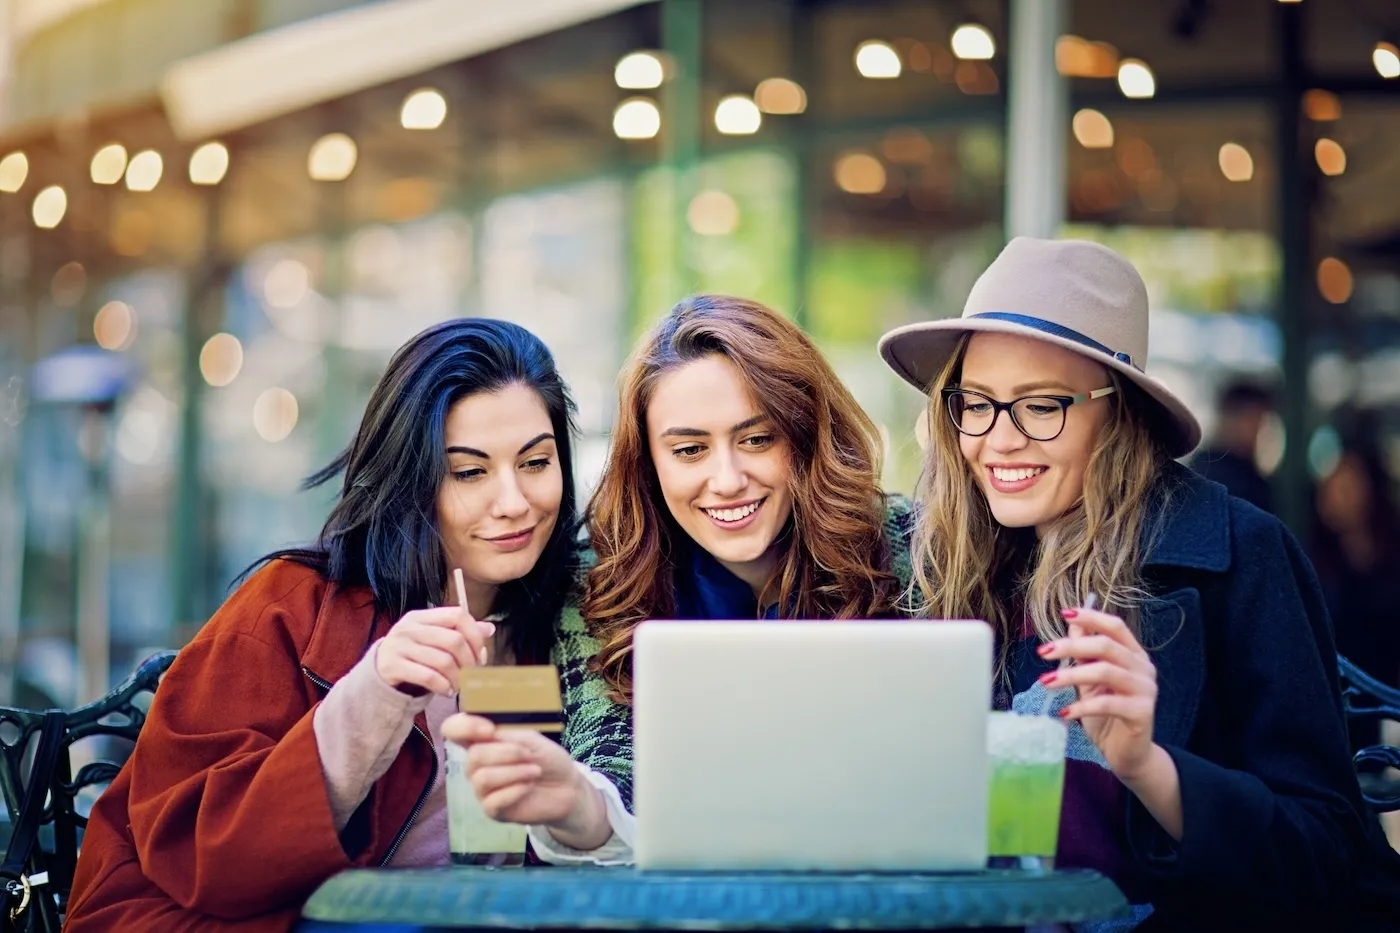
column 1209, row 773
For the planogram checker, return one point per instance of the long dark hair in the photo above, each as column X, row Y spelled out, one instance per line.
column 383, row 531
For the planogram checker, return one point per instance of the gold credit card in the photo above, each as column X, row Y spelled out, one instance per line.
column 525, row 697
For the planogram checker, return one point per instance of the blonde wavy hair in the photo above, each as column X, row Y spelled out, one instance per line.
column 967, row 566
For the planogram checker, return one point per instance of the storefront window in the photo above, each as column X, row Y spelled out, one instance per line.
column 1354, row 294
column 1189, row 195
column 903, row 222
column 735, row 233
column 1184, row 45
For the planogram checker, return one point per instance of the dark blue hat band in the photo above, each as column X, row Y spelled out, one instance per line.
column 1054, row 330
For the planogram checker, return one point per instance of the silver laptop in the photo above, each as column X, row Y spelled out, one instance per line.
column 822, row 746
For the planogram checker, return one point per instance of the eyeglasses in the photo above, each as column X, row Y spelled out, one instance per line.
column 1038, row 417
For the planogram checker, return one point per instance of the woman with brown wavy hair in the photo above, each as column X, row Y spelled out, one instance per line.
column 742, row 483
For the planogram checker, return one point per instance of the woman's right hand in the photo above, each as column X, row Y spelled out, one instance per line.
column 427, row 649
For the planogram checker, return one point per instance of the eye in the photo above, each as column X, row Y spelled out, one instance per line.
column 1042, row 409
column 758, row 441
column 688, row 451
column 536, row 464
column 976, row 407
column 469, row 474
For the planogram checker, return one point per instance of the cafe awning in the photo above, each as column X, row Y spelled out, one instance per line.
column 286, row 69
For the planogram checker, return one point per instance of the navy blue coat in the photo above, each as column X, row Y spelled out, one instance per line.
column 1275, row 833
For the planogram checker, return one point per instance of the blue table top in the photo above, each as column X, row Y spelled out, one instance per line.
column 626, row 899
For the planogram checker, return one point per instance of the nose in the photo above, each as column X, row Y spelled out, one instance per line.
column 728, row 478
column 510, row 499
column 1005, row 437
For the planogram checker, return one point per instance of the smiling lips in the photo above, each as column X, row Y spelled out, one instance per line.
column 513, row 541
column 735, row 517
column 1014, row 477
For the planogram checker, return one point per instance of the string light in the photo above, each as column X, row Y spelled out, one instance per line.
column 1386, row 58
column 209, row 164
column 860, row 173
column 878, row 60
column 1135, row 79
column 108, row 164
column 49, row 207
column 973, row 42
column 1236, row 164
column 738, row 115
column 332, row 158
column 424, row 109
column 144, row 170
column 639, row 71
column 221, row 359
column 780, row 96
column 637, row 118
column 14, row 169
column 1331, row 157
column 1092, row 129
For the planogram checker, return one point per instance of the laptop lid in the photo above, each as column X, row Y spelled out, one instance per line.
column 841, row 746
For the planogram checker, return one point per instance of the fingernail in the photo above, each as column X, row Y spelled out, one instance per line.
column 488, row 627
column 1045, row 649
column 1064, row 713
column 482, row 656
column 1069, row 613
column 1047, row 678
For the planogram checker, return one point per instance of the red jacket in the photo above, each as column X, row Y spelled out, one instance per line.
column 220, row 820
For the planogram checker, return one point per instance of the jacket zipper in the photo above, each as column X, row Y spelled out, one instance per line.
column 427, row 789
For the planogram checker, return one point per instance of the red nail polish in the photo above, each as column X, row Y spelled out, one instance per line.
column 1044, row 649
column 1064, row 713
column 1069, row 613
column 1047, row 678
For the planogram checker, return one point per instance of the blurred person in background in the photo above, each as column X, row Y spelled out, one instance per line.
column 298, row 734
column 1229, row 458
column 742, row 483
column 1356, row 548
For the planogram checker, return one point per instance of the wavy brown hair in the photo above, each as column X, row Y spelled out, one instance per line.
column 837, row 561
column 967, row 566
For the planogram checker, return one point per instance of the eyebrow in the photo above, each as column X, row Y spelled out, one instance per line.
column 1021, row 389
column 473, row 452
column 697, row 432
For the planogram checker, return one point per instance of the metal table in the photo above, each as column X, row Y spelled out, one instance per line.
column 625, row 899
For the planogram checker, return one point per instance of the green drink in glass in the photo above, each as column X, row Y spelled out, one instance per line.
column 473, row 837
column 1026, row 759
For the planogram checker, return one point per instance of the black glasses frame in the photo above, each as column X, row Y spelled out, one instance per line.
column 1065, row 401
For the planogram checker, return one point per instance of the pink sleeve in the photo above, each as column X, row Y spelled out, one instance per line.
column 360, row 727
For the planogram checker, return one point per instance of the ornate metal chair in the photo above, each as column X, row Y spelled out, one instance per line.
column 120, row 714
column 1365, row 698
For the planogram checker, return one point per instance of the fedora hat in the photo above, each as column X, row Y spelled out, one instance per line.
column 1070, row 293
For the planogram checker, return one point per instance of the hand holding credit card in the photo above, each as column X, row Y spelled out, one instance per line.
column 526, row 696
column 514, row 697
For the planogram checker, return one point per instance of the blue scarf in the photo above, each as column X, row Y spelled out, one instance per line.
column 706, row 589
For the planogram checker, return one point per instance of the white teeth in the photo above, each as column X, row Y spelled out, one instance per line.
column 1016, row 476
column 733, row 515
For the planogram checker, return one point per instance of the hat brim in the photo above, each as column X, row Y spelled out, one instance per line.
column 918, row 353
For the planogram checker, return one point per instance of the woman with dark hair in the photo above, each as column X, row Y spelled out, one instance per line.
column 742, row 483
column 299, row 733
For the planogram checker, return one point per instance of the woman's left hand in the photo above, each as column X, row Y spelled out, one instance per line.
column 1117, row 684
column 520, row 776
